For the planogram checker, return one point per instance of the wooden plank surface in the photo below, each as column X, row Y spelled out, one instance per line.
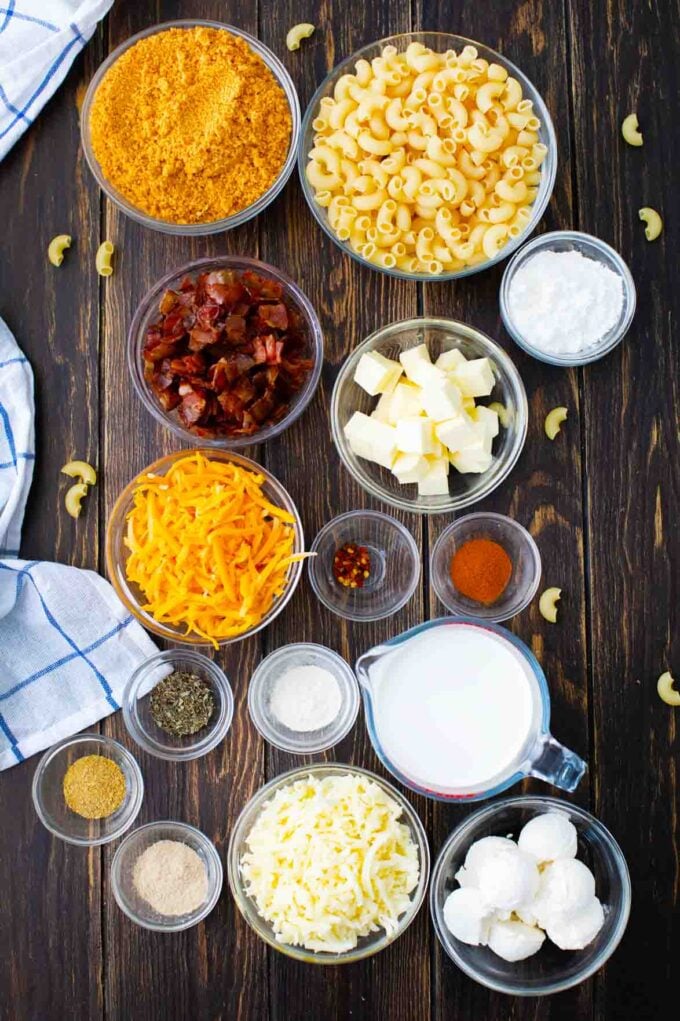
column 600, row 502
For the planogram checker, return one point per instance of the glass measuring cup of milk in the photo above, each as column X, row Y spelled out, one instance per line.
column 459, row 708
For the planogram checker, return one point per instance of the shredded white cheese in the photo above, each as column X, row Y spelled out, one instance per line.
column 329, row 862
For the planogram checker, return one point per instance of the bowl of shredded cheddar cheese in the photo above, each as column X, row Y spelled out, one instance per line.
column 191, row 127
column 204, row 547
column 328, row 863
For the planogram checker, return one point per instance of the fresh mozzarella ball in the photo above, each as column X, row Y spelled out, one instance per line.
column 549, row 837
column 566, row 886
column 575, row 931
column 505, row 876
column 515, row 941
column 467, row 916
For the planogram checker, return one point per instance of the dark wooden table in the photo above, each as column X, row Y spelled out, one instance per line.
column 602, row 503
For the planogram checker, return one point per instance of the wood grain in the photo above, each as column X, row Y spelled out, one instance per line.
column 632, row 428
column 601, row 502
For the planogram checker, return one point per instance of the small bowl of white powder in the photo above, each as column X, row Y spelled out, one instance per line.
column 303, row 698
column 166, row 876
column 567, row 298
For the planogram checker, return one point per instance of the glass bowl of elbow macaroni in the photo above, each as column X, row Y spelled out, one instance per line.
column 427, row 156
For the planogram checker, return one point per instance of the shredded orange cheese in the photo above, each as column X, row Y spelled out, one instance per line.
column 207, row 549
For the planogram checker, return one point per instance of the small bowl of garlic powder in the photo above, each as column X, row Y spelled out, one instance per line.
column 567, row 298
column 303, row 698
column 166, row 876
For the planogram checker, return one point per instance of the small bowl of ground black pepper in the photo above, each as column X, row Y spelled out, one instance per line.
column 87, row 789
column 485, row 566
column 178, row 705
column 366, row 567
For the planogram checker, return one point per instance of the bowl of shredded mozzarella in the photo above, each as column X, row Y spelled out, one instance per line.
column 328, row 863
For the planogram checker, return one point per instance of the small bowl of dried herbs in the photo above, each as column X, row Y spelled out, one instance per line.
column 178, row 705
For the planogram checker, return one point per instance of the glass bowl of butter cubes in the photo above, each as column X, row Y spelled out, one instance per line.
column 429, row 415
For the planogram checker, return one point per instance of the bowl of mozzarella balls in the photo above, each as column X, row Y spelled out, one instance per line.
column 530, row 895
column 427, row 156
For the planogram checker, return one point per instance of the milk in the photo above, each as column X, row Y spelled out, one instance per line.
column 455, row 708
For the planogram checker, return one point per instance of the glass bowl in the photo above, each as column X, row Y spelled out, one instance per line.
column 216, row 226
column 439, row 335
column 137, row 706
column 395, row 565
column 122, row 885
column 592, row 248
column 518, row 544
column 278, row 663
column 368, row 945
column 551, row 970
column 48, row 795
column 117, row 552
column 438, row 41
column 147, row 311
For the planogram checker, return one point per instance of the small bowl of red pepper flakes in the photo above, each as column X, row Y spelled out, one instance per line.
column 226, row 350
column 367, row 565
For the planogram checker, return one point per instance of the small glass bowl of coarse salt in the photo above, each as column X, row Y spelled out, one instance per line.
column 567, row 298
column 303, row 698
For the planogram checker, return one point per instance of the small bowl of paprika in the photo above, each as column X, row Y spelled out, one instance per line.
column 486, row 566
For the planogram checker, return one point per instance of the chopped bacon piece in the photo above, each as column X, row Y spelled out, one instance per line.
column 228, row 353
column 200, row 338
column 275, row 316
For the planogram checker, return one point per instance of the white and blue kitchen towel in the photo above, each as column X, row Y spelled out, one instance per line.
column 67, row 643
column 39, row 40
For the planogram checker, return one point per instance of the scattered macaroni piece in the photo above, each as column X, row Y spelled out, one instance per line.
column 57, row 247
column 102, row 259
column 426, row 162
column 74, row 498
column 547, row 604
column 653, row 221
column 208, row 550
column 553, row 421
column 504, row 414
column 631, row 130
column 80, row 470
column 297, row 33
column 328, row 862
column 664, row 686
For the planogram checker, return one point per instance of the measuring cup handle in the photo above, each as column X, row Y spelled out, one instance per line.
column 556, row 764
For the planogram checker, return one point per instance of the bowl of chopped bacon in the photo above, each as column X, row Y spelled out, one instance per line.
column 225, row 351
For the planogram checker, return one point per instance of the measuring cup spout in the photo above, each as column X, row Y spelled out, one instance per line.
column 556, row 764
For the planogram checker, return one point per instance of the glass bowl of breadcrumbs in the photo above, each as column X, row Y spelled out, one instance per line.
column 191, row 127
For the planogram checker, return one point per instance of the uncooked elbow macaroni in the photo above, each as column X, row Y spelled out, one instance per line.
column 426, row 162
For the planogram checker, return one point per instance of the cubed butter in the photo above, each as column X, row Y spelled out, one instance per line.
column 382, row 410
column 475, row 378
column 456, row 433
column 410, row 467
column 415, row 435
column 448, row 361
column 435, row 482
column 418, row 365
column 439, row 458
column 404, row 402
column 488, row 418
column 371, row 439
column 473, row 459
column 441, row 400
column 376, row 374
